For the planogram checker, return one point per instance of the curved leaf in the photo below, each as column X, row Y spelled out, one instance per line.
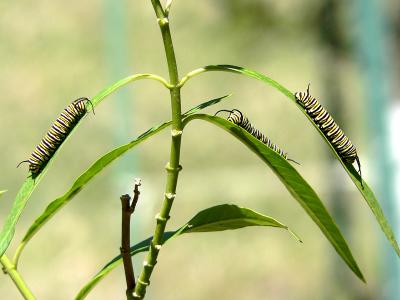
column 93, row 170
column 30, row 184
column 216, row 218
column 295, row 184
column 79, row 183
column 366, row 192
column 228, row 217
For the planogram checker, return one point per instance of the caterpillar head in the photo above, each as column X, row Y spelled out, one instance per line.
column 301, row 97
column 235, row 116
column 80, row 104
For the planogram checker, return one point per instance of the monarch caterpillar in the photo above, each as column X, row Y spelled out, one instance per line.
column 339, row 141
column 237, row 117
column 56, row 135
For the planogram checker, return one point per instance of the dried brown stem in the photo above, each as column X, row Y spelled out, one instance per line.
column 128, row 208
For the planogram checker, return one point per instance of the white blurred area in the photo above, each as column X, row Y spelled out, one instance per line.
column 394, row 130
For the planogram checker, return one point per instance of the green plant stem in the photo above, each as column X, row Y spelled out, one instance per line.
column 192, row 74
column 9, row 268
column 173, row 166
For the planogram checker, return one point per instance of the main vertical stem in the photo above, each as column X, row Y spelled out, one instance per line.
column 173, row 166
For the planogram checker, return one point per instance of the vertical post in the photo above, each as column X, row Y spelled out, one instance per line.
column 373, row 51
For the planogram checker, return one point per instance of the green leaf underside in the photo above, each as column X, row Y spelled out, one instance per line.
column 295, row 184
column 96, row 168
column 366, row 192
column 226, row 217
column 209, row 220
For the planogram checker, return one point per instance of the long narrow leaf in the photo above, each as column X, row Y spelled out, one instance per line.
column 295, row 184
column 116, row 261
column 93, row 170
column 216, row 218
column 82, row 180
column 30, row 184
column 366, row 192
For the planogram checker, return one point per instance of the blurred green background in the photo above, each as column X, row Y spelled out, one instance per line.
column 52, row 52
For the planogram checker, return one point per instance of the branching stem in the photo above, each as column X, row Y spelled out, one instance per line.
column 168, row 7
column 9, row 268
column 128, row 208
column 199, row 71
column 173, row 166
column 191, row 74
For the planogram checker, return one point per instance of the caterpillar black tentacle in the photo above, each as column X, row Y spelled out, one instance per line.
column 236, row 117
column 292, row 160
column 56, row 135
column 339, row 141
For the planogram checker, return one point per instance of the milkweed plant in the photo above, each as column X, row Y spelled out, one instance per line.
column 217, row 218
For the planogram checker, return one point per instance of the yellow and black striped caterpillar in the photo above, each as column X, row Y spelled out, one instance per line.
column 339, row 141
column 236, row 117
column 56, row 135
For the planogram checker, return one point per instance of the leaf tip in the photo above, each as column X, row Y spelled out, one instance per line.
column 358, row 273
column 295, row 235
column 2, row 192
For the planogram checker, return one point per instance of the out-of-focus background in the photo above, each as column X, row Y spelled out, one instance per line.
column 55, row 51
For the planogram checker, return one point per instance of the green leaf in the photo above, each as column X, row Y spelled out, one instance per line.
column 254, row 74
column 7, row 232
column 93, row 170
column 2, row 192
column 30, row 184
column 366, row 192
column 82, row 180
column 204, row 105
column 295, row 184
column 216, row 218
column 228, row 217
column 138, row 248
